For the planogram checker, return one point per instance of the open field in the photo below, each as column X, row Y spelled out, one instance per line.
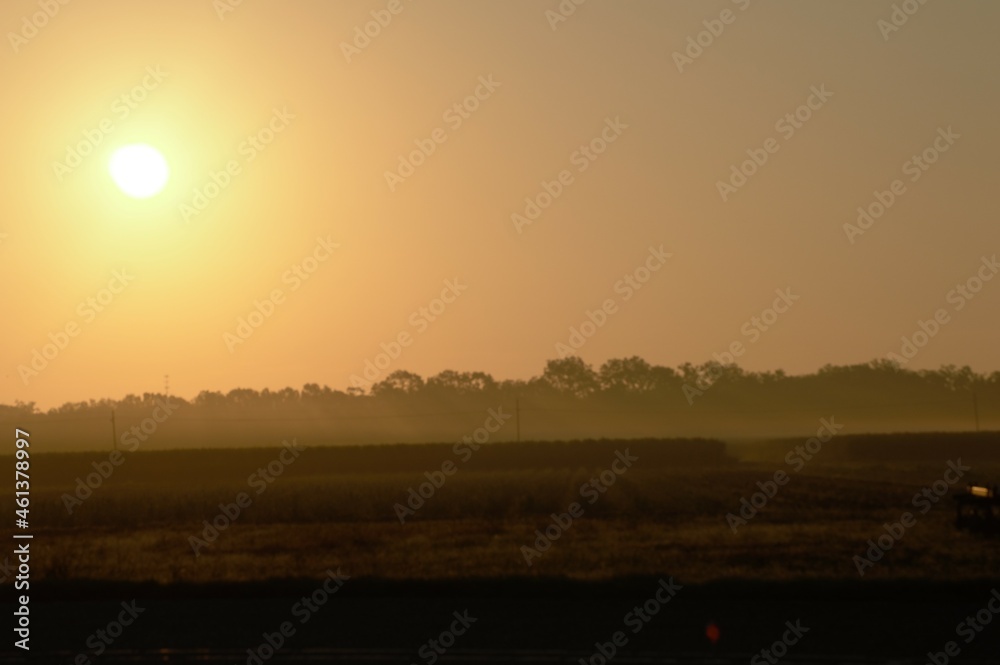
column 663, row 517
column 666, row 514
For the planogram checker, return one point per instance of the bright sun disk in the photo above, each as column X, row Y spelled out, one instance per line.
column 139, row 170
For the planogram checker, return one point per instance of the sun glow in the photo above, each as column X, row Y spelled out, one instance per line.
column 140, row 170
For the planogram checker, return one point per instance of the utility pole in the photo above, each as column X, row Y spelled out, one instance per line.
column 517, row 417
column 114, row 432
column 975, row 408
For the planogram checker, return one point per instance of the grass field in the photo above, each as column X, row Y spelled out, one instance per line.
column 664, row 515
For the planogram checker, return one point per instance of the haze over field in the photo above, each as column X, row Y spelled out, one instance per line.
column 624, row 398
column 279, row 139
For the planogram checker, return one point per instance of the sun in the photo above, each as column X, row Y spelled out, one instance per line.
column 139, row 170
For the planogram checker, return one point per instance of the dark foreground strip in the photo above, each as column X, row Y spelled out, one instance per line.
column 454, row 657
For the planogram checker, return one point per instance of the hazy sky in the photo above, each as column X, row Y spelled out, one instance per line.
column 197, row 83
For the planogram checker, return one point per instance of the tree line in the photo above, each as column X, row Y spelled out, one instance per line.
column 570, row 380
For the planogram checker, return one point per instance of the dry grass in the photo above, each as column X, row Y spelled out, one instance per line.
column 651, row 522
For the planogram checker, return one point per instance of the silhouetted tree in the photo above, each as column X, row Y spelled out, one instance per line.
column 462, row 382
column 398, row 382
column 627, row 375
column 571, row 376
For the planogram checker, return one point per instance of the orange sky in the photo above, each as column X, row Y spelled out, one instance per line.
column 598, row 119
